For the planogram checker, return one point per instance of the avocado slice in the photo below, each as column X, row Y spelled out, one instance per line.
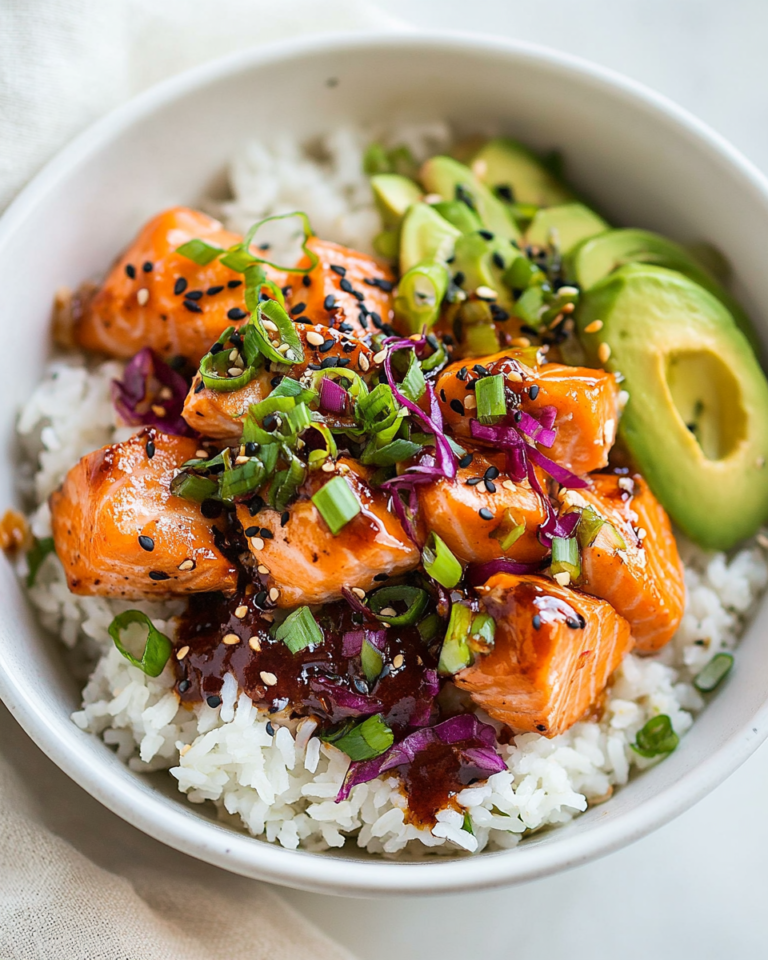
column 572, row 222
column 696, row 422
column 595, row 258
column 453, row 181
column 459, row 214
column 425, row 235
column 483, row 263
column 393, row 195
column 503, row 162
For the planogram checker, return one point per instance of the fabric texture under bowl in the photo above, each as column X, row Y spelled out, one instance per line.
column 641, row 160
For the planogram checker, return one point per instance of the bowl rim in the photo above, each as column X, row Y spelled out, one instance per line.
column 181, row 827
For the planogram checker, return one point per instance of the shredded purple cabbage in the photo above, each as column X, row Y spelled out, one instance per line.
column 333, row 397
column 479, row 573
column 151, row 394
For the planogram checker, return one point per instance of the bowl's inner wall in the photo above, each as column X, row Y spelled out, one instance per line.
column 640, row 166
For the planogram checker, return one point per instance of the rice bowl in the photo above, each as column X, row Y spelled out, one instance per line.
column 588, row 762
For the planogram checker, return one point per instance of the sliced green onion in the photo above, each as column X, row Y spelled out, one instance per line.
column 337, row 504
column 480, row 340
column 508, row 531
column 319, row 456
column 530, row 306
column 566, row 557
column 656, row 737
column 242, row 480
column 430, row 627
column 590, row 525
column 366, row 740
column 189, row 486
column 713, row 674
column 415, row 598
column 199, row 251
column 274, row 403
column 299, row 630
column 420, row 294
column 157, row 648
column 35, row 557
column 289, row 387
column 483, row 630
column 467, row 825
column 391, row 453
column 286, row 483
column 436, row 359
column 272, row 310
column 214, row 368
column 378, row 409
column 371, row 661
column 238, row 258
column 356, row 385
column 308, row 233
column 455, row 653
column 440, row 563
column 298, row 418
column 414, row 384
column 491, row 400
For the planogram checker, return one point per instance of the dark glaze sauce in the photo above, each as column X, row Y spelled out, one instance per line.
column 435, row 775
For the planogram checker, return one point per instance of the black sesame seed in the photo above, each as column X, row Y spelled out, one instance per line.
column 458, row 278
column 376, row 320
column 297, row 308
column 361, row 686
column 284, row 518
column 504, row 191
column 380, row 577
column 269, row 422
column 531, row 331
column 158, row 575
column 192, row 306
column 267, row 533
column 347, row 346
column 147, row 266
column 334, row 362
column 233, row 283
column 193, row 295
column 485, row 513
column 146, row 543
column 498, row 313
column 473, row 481
column 462, row 374
column 184, row 685
column 486, row 234
column 346, row 286
column 270, row 729
column 470, row 385
column 330, row 302
column 536, row 621
column 327, row 345
column 213, row 701
column 314, row 366
column 490, row 486
column 491, row 473
column 150, row 448
column 261, row 598
column 541, row 727
column 458, row 407
column 216, row 348
column 265, row 246
column 480, row 370
column 342, row 271
column 211, row 509
column 466, row 460
column 442, row 395
column 212, row 291
column 286, row 290
column 130, row 270
column 306, row 280
column 180, row 286
column 252, row 531
column 534, row 391
column 517, row 416
column 363, row 309
column 346, row 328
column 200, row 385
column 251, row 448
column 276, row 380
column 573, row 624
column 236, row 314
column 358, row 295
column 255, row 504
column 447, row 339
column 498, row 260
column 363, row 322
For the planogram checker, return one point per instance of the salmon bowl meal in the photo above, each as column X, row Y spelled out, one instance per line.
column 382, row 502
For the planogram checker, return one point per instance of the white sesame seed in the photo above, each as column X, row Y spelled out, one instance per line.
column 257, row 543
column 231, row 638
column 609, row 431
column 269, row 679
column 433, row 198
column 158, row 410
column 480, row 167
column 568, row 291
column 508, row 485
column 486, row 293
column 380, row 356
column 188, row 564
column 360, row 594
column 342, row 468
column 388, row 612
column 269, row 325
column 233, row 355
column 142, row 296
column 185, row 749
column 328, row 466
column 284, row 348
column 514, row 377
column 234, row 371
column 398, row 661
column 594, row 327
column 627, row 483
column 165, row 393
column 563, row 578
column 262, row 569
column 603, row 352
column 182, row 652
column 254, row 644
column 274, row 593
column 203, row 454
column 239, row 460
column 315, row 338
column 241, row 611
column 363, row 363
column 642, row 533
column 470, row 402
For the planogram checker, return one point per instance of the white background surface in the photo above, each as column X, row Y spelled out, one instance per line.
column 698, row 888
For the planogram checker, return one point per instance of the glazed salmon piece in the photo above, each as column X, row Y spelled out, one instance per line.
column 451, row 509
column 643, row 577
column 219, row 413
column 307, row 564
column 553, row 654
column 120, row 533
column 355, row 273
column 138, row 304
column 586, row 402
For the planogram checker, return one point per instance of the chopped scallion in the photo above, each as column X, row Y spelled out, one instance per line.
column 366, row 740
column 189, row 486
column 656, row 738
column 415, row 598
column 440, row 563
column 566, row 557
column 713, row 674
column 299, row 630
column 157, row 648
column 508, row 531
column 491, row 401
column 420, row 295
column 35, row 557
column 371, row 661
column 455, row 653
column 337, row 503
column 199, row 251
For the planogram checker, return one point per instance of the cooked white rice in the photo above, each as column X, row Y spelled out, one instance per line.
column 281, row 787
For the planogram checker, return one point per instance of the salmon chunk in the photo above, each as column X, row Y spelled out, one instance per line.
column 350, row 288
column 155, row 297
column 452, row 510
column 586, row 402
column 307, row 564
column 219, row 413
column 554, row 651
column 119, row 532
column 642, row 577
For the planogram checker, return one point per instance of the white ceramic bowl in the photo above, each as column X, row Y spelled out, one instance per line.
column 643, row 160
